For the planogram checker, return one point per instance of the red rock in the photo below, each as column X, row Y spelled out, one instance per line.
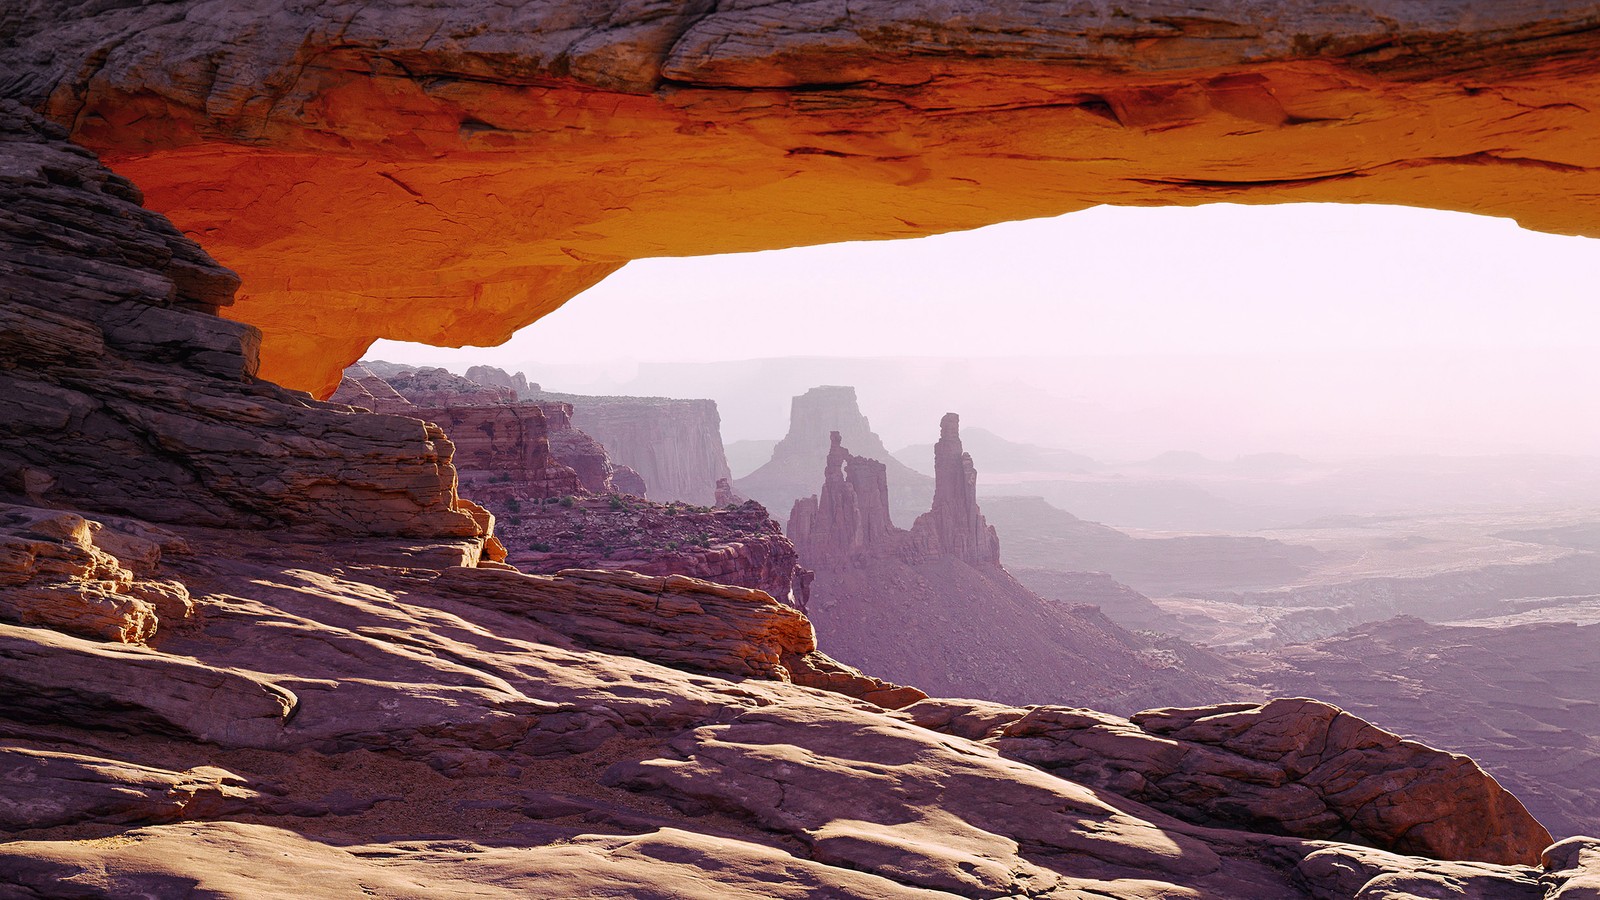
column 791, row 473
column 1296, row 767
column 112, row 359
column 674, row 445
column 933, row 607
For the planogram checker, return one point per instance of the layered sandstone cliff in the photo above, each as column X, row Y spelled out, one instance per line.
column 674, row 445
column 122, row 390
column 561, row 503
column 814, row 416
column 504, row 448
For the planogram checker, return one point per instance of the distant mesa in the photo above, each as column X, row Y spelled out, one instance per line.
column 791, row 472
column 932, row 606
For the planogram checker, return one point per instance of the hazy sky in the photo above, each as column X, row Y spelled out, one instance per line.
column 1225, row 328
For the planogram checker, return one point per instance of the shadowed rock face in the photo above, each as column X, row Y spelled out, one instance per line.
column 1292, row 766
column 543, row 145
column 815, row 417
column 121, row 390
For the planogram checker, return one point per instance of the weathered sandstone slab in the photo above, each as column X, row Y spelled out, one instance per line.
column 676, row 621
column 1292, row 766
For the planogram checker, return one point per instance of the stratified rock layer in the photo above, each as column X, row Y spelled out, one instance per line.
column 452, row 171
column 735, row 546
column 814, row 417
column 121, row 389
column 1293, row 766
column 674, row 445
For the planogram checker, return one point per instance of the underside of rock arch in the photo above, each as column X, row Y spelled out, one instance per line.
column 450, row 172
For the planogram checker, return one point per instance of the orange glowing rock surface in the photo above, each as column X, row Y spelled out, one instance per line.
column 451, row 173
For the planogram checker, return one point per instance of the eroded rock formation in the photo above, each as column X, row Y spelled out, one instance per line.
column 738, row 546
column 1292, row 766
column 674, row 445
column 559, row 142
column 113, row 360
column 932, row 606
column 955, row 527
column 814, row 417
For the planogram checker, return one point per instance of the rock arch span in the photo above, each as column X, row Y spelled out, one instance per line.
column 450, row 172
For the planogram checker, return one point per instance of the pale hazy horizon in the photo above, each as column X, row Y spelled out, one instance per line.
column 1325, row 331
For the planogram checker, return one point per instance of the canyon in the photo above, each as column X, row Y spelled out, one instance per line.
column 254, row 642
column 932, row 606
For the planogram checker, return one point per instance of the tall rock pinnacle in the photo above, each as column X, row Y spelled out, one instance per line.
column 954, row 526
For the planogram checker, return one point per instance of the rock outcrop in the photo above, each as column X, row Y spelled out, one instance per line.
column 1292, row 766
column 933, row 607
column 674, row 445
column 1522, row 700
column 740, row 546
column 606, row 732
column 504, row 447
column 494, row 376
column 814, row 417
column 676, row 621
column 62, row 571
column 311, row 147
column 559, row 500
column 954, row 527
column 113, row 360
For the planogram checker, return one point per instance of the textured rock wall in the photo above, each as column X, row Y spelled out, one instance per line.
column 955, row 526
column 737, row 546
column 113, row 361
column 542, row 145
column 1292, row 766
column 674, row 445
column 814, row 417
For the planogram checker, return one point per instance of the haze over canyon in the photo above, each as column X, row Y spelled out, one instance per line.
column 1258, row 563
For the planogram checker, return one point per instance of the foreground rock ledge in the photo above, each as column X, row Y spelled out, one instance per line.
column 450, row 172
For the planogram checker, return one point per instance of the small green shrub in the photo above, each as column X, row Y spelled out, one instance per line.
column 568, row 501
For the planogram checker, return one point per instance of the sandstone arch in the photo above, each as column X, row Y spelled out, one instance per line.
column 450, row 172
